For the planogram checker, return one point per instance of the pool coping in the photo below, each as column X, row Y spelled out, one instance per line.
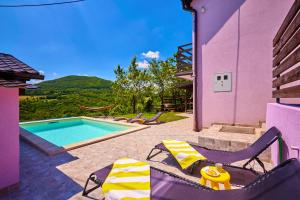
column 52, row 150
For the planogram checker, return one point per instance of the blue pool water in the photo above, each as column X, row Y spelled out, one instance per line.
column 70, row 131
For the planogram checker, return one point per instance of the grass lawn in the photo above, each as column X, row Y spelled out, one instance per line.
column 166, row 117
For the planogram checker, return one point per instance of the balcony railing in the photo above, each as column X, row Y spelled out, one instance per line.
column 184, row 58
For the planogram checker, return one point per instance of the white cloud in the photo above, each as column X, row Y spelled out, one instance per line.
column 54, row 74
column 35, row 81
column 42, row 72
column 144, row 64
column 151, row 54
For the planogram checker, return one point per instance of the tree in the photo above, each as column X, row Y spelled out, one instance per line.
column 137, row 83
column 163, row 76
column 120, row 91
column 130, row 86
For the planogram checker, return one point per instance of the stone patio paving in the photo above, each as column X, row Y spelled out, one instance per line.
column 63, row 176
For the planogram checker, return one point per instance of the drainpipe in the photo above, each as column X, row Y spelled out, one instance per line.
column 197, row 124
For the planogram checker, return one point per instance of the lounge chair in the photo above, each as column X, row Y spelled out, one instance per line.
column 128, row 119
column 147, row 121
column 250, row 153
column 280, row 183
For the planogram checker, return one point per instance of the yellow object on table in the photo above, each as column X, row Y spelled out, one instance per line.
column 215, row 177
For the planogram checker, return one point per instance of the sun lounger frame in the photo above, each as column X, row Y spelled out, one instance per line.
column 253, row 158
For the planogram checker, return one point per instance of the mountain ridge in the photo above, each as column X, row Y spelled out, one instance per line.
column 75, row 82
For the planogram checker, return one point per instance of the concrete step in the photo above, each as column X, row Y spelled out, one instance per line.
column 230, row 141
column 238, row 129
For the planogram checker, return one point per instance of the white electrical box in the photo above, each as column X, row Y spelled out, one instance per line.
column 222, row 82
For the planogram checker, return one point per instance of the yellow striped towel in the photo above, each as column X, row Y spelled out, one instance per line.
column 129, row 179
column 184, row 153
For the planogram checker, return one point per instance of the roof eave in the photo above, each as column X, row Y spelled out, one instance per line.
column 21, row 75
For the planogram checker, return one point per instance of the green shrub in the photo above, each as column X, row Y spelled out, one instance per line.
column 118, row 109
column 148, row 104
column 139, row 107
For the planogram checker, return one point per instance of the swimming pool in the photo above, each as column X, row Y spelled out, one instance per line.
column 72, row 132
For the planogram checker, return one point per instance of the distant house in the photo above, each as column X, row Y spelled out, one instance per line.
column 13, row 75
column 231, row 55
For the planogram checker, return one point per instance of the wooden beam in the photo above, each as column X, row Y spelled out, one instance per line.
column 189, row 44
column 288, row 63
column 294, row 25
column 291, row 76
column 189, row 50
column 291, row 92
column 288, row 48
column 292, row 12
column 180, row 49
column 184, row 51
column 184, row 57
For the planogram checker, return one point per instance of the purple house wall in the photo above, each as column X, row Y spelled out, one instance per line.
column 13, row 75
column 236, row 36
column 287, row 119
column 9, row 142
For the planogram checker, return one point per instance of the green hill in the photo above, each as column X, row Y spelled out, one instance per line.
column 75, row 82
column 63, row 97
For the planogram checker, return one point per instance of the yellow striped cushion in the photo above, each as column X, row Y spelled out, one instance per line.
column 183, row 152
column 129, row 179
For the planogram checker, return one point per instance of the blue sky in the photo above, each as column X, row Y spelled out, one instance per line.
column 92, row 37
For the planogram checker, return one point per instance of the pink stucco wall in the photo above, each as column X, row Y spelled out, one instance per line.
column 9, row 137
column 287, row 119
column 236, row 36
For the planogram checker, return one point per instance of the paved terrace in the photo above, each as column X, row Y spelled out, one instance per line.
column 63, row 176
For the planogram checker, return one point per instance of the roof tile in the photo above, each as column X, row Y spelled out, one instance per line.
column 12, row 66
